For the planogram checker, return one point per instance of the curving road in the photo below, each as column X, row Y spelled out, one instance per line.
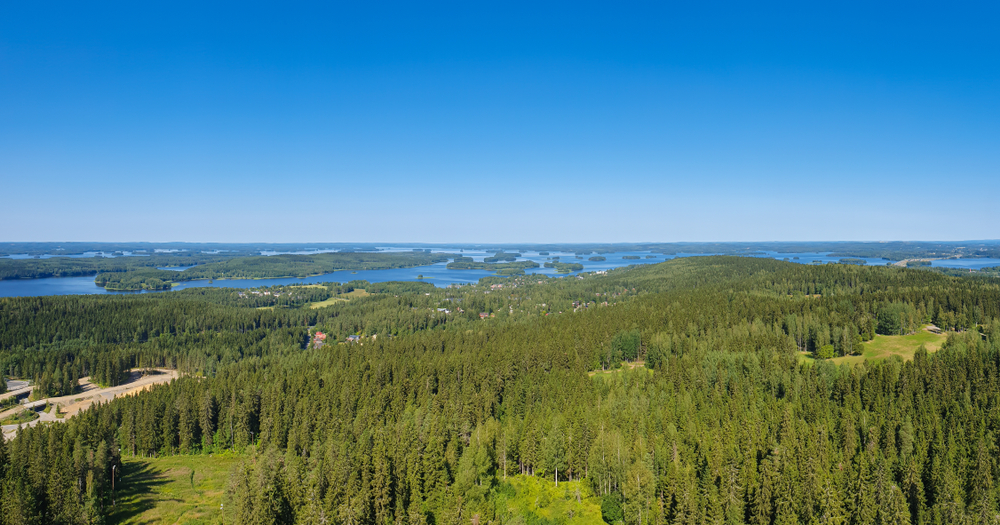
column 88, row 393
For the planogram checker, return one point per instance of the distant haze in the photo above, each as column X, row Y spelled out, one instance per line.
column 468, row 122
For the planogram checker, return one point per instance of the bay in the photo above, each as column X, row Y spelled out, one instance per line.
column 436, row 274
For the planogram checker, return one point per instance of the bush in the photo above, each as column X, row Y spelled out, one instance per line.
column 611, row 508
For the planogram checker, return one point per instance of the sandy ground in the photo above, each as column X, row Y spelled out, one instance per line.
column 87, row 394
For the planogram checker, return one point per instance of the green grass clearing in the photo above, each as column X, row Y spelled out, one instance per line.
column 626, row 365
column 543, row 499
column 328, row 302
column 885, row 346
column 354, row 294
column 159, row 490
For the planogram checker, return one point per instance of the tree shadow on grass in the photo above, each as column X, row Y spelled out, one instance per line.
column 135, row 490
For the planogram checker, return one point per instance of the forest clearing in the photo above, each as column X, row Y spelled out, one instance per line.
column 174, row 489
column 885, row 346
column 359, row 292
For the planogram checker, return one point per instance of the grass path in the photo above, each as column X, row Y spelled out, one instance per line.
column 159, row 490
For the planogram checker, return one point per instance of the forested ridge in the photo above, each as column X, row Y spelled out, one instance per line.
column 263, row 267
column 423, row 420
column 71, row 267
column 143, row 273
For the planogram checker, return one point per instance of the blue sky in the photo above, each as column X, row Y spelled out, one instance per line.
column 499, row 122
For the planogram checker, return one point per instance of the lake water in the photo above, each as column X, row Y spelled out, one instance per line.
column 436, row 274
column 84, row 255
column 971, row 264
column 820, row 257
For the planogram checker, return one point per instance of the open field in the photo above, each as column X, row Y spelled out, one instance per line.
column 542, row 498
column 626, row 365
column 328, row 302
column 884, row 346
column 354, row 294
column 160, row 490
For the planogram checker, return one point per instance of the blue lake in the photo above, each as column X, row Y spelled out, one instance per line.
column 436, row 274
column 970, row 264
column 819, row 257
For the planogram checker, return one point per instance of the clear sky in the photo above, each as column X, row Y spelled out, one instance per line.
column 499, row 121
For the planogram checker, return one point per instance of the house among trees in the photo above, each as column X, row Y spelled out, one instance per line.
column 318, row 339
column 353, row 338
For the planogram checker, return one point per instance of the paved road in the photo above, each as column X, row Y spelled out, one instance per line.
column 22, row 390
column 14, row 384
column 88, row 394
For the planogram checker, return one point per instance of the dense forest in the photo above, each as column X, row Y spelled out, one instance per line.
column 141, row 271
column 563, row 267
column 501, row 262
column 72, row 267
column 451, row 392
column 263, row 267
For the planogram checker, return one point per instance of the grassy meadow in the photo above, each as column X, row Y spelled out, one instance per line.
column 163, row 490
column 359, row 292
column 885, row 346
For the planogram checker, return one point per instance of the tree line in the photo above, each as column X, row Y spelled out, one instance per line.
column 426, row 422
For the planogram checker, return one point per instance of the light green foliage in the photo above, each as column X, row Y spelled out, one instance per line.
column 541, row 502
column 429, row 416
column 825, row 352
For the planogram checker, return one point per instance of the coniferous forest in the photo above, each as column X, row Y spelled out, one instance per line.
column 678, row 393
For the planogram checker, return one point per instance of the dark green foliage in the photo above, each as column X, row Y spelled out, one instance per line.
column 626, row 345
column 145, row 279
column 564, row 267
column 611, row 508
column 422, row 423
column 394, row 287
column 502, row 257
column 306, row 265
column 467, row 263
column 897, row 319
column 69, row 267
